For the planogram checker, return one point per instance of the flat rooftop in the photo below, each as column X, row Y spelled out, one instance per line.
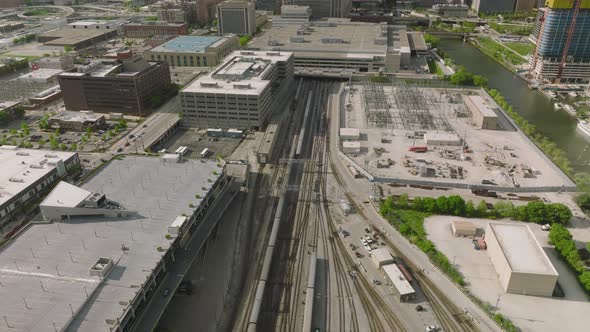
column 186, row 44
column 242, row 72
column 482, row 106
column 67, row 36
column 382, row 254
column 358, row 39
column 521, row 249
column 397, row 278
column 45, row 270
column 77, row 116
column 17, row 173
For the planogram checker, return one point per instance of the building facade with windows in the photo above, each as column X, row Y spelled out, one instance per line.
column 154, row 28
column 237, row 17
column 240, row 93
column 194, row 51
column 122, row 86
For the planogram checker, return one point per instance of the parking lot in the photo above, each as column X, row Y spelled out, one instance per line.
column 197, row 140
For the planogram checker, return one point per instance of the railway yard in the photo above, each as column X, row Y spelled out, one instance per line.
column 313, row 270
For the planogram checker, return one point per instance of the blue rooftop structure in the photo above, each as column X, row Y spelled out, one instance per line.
column 187, row 44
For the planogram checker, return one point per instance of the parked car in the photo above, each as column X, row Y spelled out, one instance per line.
column 165, row 292
column 419, row 308
column 377, row 282
column 546, row 227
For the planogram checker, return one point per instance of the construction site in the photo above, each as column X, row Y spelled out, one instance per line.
column 409, row 134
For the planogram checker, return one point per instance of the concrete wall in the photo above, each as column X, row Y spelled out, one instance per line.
column 498, row 259
column 531, row 284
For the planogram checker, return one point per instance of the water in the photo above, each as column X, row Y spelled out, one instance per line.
column 531, row 104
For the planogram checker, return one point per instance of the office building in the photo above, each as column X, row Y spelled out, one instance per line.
column 241, row 92
column 110, row 245
column 200, row 11
column 520, row 262
column 27, row 175
column 325, row 8
column 119, row 86
column 450, row 10
column 562, row 54
column 77, row 121
column 502, row 6
column 153, row 28
column 173, row 15
column 339, row 45
column 292, row 14
column 75, row 37
column 11, row 3
column 194, row 51
column 64, row 62
column 235, row 16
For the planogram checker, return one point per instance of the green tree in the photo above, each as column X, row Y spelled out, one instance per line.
column 25, row 128
column 403, row 201
column 470, row 209
column 57, row 132
column 558, row 213
column 536, row 212
column 418, row 204
column 482, row 209
column 429, row 204
column 442, row 205
column 5, row 117
column 89, row 131
column 504, row 209
column 456, row 205
column 43, row 123
column 74, row 147
column 68, row 49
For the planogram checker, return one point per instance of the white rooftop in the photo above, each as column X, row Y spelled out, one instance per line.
column 48, row 265
column 17, row 174
column 521, row 249
column 242, row 72
column 350, row 132
column 382, row 254
column 65, row 195
column 77, row 116
column 350, row 145
column 397, row 278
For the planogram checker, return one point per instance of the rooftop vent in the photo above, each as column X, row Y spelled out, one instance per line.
column 101, row 268
column 209, row 85
column 16, row 180
column 22, row 153
column 247, row 52
column 242, row 86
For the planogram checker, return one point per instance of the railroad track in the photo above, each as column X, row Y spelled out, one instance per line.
column 448, row 314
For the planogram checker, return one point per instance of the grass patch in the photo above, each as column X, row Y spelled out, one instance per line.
column 411, row 225
column 432, row 68
column 512, row 29
column 521, row 48
column 499, row 52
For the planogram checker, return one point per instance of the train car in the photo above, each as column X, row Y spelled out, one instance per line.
column 355, row 174
column 405, row 272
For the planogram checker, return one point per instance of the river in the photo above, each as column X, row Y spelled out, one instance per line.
column 531, row 104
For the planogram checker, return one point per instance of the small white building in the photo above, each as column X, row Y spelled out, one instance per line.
column 350, row 134
column 404, row 291
column 381, row 257
column 442, row 138
column 353, row 147
column 463, row 228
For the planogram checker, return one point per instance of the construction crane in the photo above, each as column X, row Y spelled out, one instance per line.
column 568, row 40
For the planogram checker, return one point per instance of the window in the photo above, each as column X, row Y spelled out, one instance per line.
column 205, row 61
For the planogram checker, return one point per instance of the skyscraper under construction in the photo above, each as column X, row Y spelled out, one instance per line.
column 562, row 34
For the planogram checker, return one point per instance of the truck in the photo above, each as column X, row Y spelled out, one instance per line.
column 418, row 149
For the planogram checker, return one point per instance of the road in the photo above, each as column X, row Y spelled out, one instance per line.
column 149, row 132
column 360, row 194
